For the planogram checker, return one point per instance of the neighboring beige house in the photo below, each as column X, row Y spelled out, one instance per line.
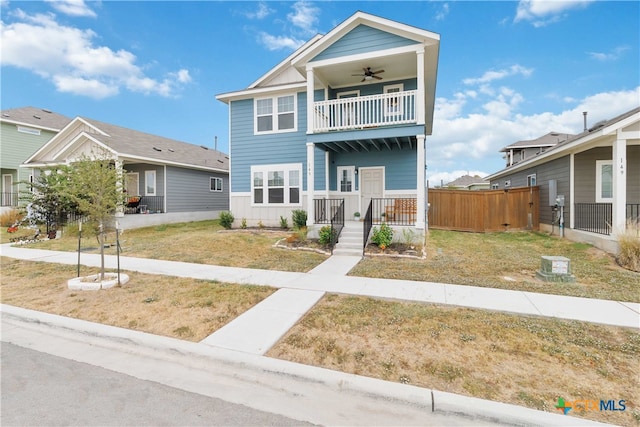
column 468, row 182
column 523, row 150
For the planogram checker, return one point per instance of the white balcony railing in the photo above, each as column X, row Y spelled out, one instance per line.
column 365, row 111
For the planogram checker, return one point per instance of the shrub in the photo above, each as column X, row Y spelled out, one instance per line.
column 301, row 234
column 226, row 219
column 382, row 236
column 629, row 243
column 283, row 222
column 299, row 218
column 11, row 217
column 325, row 235
column 260, row 224
column 243, row 225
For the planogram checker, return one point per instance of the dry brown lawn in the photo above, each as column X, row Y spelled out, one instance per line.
column 514, row 359
column 182, row 308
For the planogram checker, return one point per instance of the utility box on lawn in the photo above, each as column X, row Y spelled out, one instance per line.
column 555, row 269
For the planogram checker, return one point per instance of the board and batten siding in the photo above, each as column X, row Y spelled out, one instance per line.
column 275, row 148
column 363, row 39
column 188, row 190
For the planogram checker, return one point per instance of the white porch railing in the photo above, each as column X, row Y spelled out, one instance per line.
column 365, row 111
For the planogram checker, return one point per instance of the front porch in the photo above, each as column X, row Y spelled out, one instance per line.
column 598, row 217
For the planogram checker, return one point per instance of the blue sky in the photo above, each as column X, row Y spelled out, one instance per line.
column 508, row 71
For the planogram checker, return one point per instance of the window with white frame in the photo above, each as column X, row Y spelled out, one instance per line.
column 346, row 179
column 149, row 183
column 495, row 186
column 393, row 105
column 531, row 180
column 276, row 114
column 276, row 184
column 215, row 184
column 604, row 181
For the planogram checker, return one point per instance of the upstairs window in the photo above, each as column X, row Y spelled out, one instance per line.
column 275, row 114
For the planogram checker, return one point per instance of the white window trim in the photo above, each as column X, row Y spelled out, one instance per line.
column 352, row 170
column 530, row 178
column 387, row 110
column 348, row 94
column 599, row 198
column 495, row 186
column 146, row 185
column 274, row 114
column 217, row 180
column 286, row 168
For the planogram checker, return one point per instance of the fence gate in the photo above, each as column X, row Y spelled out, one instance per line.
column 482, row 211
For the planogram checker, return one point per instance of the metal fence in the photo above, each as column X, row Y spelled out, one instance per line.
column 593, row 217
column 9, row 199
column 394, row 211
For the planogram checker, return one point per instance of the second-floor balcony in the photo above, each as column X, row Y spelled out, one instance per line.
column 362, row 112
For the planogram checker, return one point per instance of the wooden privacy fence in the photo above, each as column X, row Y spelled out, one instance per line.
column 481, row 211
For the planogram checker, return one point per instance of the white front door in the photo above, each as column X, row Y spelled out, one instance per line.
column 7, row 189
column 371, row 186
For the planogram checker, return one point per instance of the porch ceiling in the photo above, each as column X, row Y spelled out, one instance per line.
column 370, row 144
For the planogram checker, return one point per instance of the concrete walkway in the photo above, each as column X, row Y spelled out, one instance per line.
column 251, row 334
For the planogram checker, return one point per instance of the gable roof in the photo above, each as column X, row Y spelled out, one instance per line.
column 548, row 140
column 40, row 118
column 467, row 181
column 129, row 145
column 586, row 138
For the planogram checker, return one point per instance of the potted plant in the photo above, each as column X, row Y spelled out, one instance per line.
column 356, row 216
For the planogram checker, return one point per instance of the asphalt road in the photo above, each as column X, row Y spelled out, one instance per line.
column 41, row 389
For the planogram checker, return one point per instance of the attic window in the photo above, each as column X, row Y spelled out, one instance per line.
column 30, row 131
column 157, row 149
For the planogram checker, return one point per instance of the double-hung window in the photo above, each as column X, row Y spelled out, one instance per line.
column 276, row 184
column 604, row 181
column 276, row 114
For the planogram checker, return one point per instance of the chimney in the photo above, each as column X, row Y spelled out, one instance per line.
column 584, row 113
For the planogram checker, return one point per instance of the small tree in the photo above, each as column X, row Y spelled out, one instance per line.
column 49, row 198
column 95, row 186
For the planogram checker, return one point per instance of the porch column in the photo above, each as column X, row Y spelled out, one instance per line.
column 421, row 182
column 420, row 96
column 326, row 174
column 310, row 89
column 119, row 189
column 310, row 178
column 619, row 185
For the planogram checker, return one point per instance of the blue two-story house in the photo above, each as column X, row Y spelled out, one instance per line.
column 338, row 127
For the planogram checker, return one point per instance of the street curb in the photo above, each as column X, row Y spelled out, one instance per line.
column 160, row 347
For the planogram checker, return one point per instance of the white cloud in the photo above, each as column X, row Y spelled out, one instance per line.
column 463, row 140
column 304, row 17
column 68, row 57
column 490, row 76
column 262, row 12
column 72, row 7
column 279, row 42
column 544, row 12
column 609, row 56
column 443, row 12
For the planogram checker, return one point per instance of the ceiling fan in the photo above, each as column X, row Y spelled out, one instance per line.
column 368, row 74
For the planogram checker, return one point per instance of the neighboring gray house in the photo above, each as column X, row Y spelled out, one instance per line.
column 523, row 150
column 23, row 131
column 162, row 175
column 597, row 172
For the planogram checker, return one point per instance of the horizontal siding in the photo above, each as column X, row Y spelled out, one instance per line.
column 374, row 88
column 400, row 166
column 363, row 39
column 18, row 147
column 249, row 149
column 585, row 173
column 188, row 191
column 141, row 168
column 556, row 169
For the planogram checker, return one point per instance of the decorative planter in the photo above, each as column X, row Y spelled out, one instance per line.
column 91, row 283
